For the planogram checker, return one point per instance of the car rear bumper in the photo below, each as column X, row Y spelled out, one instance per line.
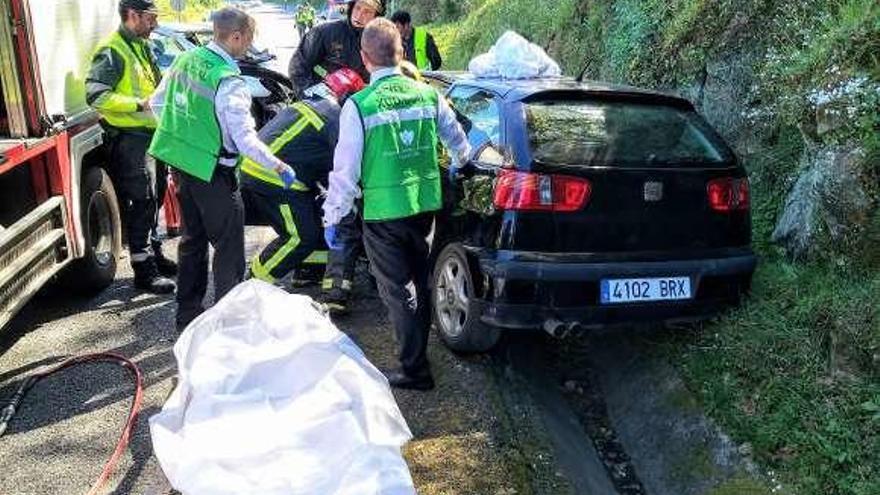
column 528, row 293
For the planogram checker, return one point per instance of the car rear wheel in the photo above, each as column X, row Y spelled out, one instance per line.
column 102, row 231
column 456, row 316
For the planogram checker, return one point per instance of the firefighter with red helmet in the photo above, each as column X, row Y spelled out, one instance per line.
column 333, row 45
column 303, row 135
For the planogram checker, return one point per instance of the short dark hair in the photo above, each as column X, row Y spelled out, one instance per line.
column 401, row 17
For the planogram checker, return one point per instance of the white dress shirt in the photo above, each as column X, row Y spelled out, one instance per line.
column 346, row 174
column 232, row 103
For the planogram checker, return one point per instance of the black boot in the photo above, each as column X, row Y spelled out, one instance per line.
column 148, row 279
column 398, row 378
column 165, row 266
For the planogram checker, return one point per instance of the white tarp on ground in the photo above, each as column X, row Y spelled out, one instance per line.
column 273, row 399
column 513, row 57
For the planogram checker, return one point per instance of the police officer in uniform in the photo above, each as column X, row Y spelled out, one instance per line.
column 418, row 44
column 122, row 77
column 205, row 124
column 387, row 152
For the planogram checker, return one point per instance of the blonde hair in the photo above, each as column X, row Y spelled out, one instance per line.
column 381, row 43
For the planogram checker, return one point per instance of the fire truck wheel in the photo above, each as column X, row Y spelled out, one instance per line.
column 102, row 231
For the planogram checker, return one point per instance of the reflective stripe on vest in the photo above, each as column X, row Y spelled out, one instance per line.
column 399, row 172
column 420, row 47
column 189, row 137
column 137, row 80
column 307, row 117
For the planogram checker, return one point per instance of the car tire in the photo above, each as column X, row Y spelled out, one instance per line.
column 455, row 313
column 102, row 231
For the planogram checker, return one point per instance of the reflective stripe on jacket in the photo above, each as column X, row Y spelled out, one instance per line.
column 307, row 117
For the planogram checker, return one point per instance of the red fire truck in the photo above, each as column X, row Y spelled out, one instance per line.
column 59, row 216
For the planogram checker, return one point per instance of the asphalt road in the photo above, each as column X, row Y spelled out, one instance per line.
column 40, row 455
column 69, row 423
column 276, row 30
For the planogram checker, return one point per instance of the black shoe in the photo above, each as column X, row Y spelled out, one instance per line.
column 400, row 379
column 306, row 276
column 336, row 300
column 147, row 278
column 165, row 266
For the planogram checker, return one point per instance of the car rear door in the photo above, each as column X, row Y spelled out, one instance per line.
column 660, row 182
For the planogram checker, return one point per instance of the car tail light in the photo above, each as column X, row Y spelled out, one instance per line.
column 728, row 194
column 537, row 192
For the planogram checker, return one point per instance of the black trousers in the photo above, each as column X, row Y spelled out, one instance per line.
column 341, row 263
column 211, row 213
column 398, row 254
column 140, row 183
column 295, row 216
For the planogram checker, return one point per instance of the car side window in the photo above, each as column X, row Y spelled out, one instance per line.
column 481, row 114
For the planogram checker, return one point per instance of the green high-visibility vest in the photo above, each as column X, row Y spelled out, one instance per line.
column 399, row 172
column 307, row 117
column 189, row 137
column 420, row 47
column 138, row 80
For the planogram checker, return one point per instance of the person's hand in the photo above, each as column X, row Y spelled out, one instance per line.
column 144, row 104
column 458, row 172
column 288, row 176
column 453, row 172
column 330, row 237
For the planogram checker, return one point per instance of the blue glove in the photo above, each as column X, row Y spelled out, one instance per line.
column 330, row 238
column 288, row 177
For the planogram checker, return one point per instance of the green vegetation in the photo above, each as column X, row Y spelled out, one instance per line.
column 795, row 372
column 195, row 10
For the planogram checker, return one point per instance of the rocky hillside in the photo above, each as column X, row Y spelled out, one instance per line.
column 794, row 86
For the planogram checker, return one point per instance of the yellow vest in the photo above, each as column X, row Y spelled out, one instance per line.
column 138, row 80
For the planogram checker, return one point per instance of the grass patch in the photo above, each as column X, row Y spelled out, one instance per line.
column 794, row 372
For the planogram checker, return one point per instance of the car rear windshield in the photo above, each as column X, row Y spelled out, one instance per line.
column 621, row 134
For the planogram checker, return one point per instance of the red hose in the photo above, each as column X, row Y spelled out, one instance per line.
column 124, row 437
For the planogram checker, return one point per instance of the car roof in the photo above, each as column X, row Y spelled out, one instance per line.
column 522, row 89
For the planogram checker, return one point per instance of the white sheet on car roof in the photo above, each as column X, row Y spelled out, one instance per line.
column 514, row 57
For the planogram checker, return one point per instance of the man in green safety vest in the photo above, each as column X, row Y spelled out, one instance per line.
column 305, row 18
column 418, row 45
column 122, row 77
column 205, row 125
column 387, row 153
column 303, row 135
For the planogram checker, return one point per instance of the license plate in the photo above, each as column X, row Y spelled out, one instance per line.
column 628, row 290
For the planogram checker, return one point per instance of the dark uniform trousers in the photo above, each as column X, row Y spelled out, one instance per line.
column 140, row 184
column 398, row 254
column 211, row 213
column 341, row 263
column 295, row 217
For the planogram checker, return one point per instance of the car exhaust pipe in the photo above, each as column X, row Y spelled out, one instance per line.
column 555, row 328
column 574, row 328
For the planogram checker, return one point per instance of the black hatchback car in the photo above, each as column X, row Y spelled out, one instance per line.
column 588, row 205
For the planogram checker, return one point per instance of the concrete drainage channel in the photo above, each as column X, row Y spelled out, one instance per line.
column 618, row 420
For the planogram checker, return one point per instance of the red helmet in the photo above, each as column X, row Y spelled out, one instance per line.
column 344, row 82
